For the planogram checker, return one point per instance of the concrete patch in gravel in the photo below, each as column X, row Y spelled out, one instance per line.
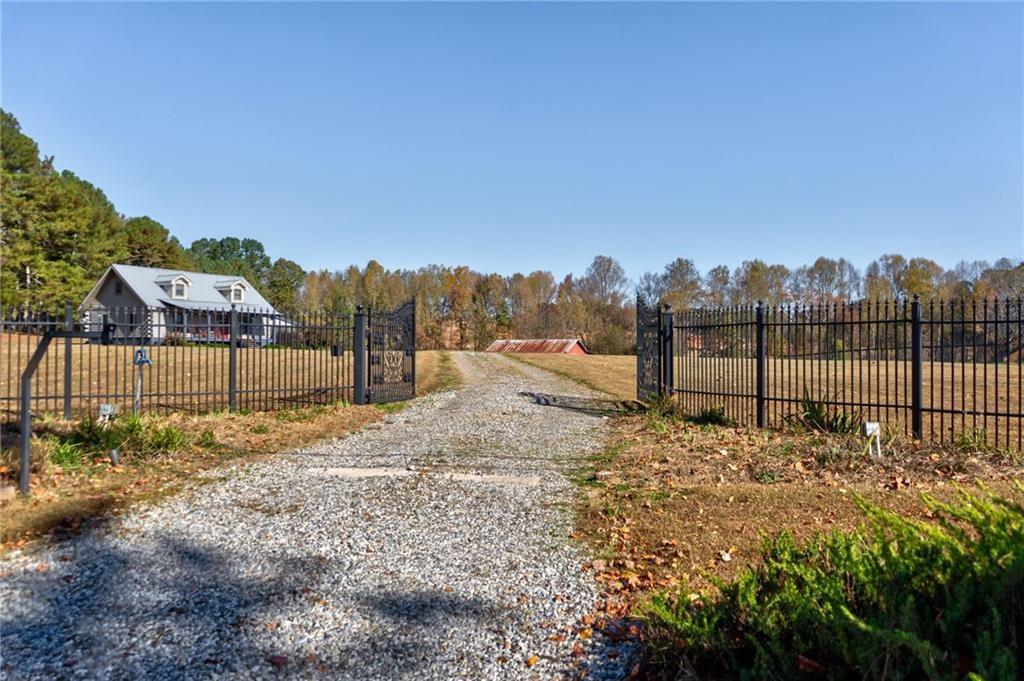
column 351, row 472
column 523, row 480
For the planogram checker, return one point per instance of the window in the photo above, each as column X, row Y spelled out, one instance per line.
column 178, row 290
column 117, row 288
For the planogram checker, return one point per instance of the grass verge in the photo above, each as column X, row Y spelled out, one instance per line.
column 74, row 478
column 435, row 370
column 671, row 504
column 894, row 599
column 613, row 375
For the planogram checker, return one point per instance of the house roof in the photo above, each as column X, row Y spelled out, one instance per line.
column 205, row 291
column 556, row 345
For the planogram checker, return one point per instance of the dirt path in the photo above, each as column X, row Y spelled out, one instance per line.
column 434, row 545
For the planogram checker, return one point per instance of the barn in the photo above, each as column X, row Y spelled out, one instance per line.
column 564, row 346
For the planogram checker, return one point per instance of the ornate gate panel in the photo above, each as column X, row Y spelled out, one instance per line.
column 648, row 350
column 391, row 375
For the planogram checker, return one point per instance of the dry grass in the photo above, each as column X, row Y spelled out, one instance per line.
column 614, row 375
column 435, row 371
column 991, row 387
column 62, row 500
column 678, row 501
column 182, row 379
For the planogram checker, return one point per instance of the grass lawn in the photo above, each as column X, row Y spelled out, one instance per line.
column 996, row 388
column 192, row 379
column 614, row 375
column 64, row 496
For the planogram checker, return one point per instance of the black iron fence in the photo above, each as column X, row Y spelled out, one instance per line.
column 190, row 360
column 935, row 370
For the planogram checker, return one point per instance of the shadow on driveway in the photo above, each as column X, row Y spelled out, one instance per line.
column 588, row 405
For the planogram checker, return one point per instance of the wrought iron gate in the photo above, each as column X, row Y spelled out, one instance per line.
column 648, row 350
column 391, row 341
column 654, row 347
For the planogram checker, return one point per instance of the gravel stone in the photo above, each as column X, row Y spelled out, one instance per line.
column 275, row 569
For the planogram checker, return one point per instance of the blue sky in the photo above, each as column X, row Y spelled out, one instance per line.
column 534, row 136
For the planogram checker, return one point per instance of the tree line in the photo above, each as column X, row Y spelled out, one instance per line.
column 60, row 233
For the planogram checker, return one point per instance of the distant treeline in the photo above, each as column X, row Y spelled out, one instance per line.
column 60, row 233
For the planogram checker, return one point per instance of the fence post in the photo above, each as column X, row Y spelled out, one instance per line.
column 665, row 351
column 359, row 356
column 69, row 325
column 916, row 369
column 762, row 367
column 233, row 360
column 26, row 411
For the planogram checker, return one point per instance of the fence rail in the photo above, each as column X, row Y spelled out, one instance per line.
column 202, row 360
column 937, row 370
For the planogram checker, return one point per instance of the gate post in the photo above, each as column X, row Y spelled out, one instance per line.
column 665, row 351
column 762, row 366
column 233, row 360
column 639, row 349
column 916, row 369
column 412, row 321
column 69, row 325
column 359, row 356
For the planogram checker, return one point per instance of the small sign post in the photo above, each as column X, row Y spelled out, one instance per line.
column 873, row 432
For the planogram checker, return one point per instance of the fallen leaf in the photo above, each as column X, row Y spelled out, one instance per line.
column 808, row 665
column 532, row 660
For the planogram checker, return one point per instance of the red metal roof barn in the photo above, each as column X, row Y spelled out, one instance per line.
column 565, row 346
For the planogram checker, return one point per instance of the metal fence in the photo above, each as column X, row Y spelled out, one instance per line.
column 198, row 360
column 936, row 370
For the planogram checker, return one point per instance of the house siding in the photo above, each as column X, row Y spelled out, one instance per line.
column 108, row 296
column 108, row 300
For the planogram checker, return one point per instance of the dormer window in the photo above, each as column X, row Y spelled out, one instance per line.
column 232, row 289
column 175, row 284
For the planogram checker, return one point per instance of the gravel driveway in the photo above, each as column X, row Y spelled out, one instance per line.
column 433, row 545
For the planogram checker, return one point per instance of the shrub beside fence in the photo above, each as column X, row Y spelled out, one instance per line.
column 202, row 360
column 938, row 370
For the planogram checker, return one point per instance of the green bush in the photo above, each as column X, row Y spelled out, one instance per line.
column 166, row 440
column 662, row 406
column 897, row 599
column 711, row 416
column 130, row 434
column 207, row 439
column 973, row 440
column 67, row 455
column 814, row 414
